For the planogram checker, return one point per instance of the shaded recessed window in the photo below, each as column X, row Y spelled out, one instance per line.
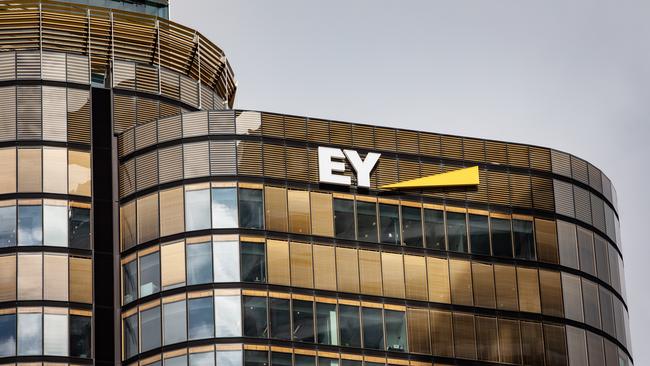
column 7, row 226
column 280, row 318
column 303, row 321
column 479, row 234
column 373, row 332
column 434, row 229
column 200, row 318
column 150, row 322
column 79, row 227
column 412, row 226
column 350, row 324
column 524, row 239
column 255, row 323
column 501, row 237
column 224, row 208
column 457, row 232
column 367, row 221
column 149, row 274
column 389, row 229
column 344, row 219
column 251, row 209
column 199, row 263
column 253, row 264
column 30, row 225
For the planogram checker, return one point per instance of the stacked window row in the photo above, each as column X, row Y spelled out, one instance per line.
column 224, row 259
column 47, row 222
column 354, row 324
column 45, row 169
column 368, row 219
column 45, row 276
column 48, row 331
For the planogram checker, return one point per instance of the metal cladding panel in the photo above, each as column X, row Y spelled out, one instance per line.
column 563, row 193
column 29, row 110
column 79, row 116
column 170, row 84
column 474, row 150
column 223, row 158
column 147, row 110
column 580, row 170
column 561, row 163
column 127, row 178
column 582, row 204
column 170, row 160
column 126, row 143
column 340, row 133
column 7, row 113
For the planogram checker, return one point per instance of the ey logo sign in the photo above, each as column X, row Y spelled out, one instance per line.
column 331, row 166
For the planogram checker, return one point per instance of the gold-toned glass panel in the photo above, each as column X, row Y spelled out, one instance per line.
column 127, row 225
column 418, row 330
column 486, row 339
column 299, row 221
column 532, row 343
column 55, row 280
column 29, row 170
column 324, row 267
column 527, row 280
column 172, row 218
column 546, row 236
column 572, row 295
column 551, row 293
column 347, row 270
column 555, row 345
column 509, row 341
column 464, row 336
column 301, row 265
column 275, row 203
column 393, row 275
column 278, row 260
column 81, row 280
column 147, row 210
column 8, row 278
column 370, row 272
column 441, row 333
column 30, row 277
column 8, row 169
column 483, row 279
column 55, row 170
column 172, row 265
column 461, row 282
column 79, row 173
column 322, row 217
column 415, row 271
column 505, row 279
column 438, row 280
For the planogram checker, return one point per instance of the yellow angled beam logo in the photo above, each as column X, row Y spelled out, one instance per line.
column 456, row 178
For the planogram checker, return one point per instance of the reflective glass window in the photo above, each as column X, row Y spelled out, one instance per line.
column 567, row 241
column 303, row 321
column 147, row 218
column 197, row 209
column 464, row 336
column 595, row 349
column 457, row 232
column 350, row 326
column 344, row 219
column 373, row 332
column 199, row 263
column 524, row 239
column 29, row 170
column 227, row 310
column 7, row 224
column 389, row 229
column 602, row 265
column 486, row 339
column 327, row 324
column 174, row 322
column 590, row 300
column 55, row 223
column 322, row 361
column 226, row 261
column 224, row 208
column 130, row 341
column 200, row 318
column 479, row 234
column 253, row 263
column 501, row 237
column 7, row 335
column 434, row 229
column 255, row 324
column 55, row 334
column 79, row 173
column 607, row 310
column 55, row 170
column 298, row 205
column 130, row 281
column 176, row 361
column 304, row 360
column 149, row 274
column 412, row 226
column 256, row 358
column 202, row 359
column 546, row 237
column 586, row 251
column 30, row 334
column 30, row 225
column 275, row 204
column 395, row 330
column 367, row 221
column 251, row 208
column 79, row 229
column 280, row 318
column 441, row 333
column 150, row 324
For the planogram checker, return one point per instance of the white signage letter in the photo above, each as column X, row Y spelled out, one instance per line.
column 362, row 167
column 327, row 166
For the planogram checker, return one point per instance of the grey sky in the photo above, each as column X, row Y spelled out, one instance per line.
column 571, row 75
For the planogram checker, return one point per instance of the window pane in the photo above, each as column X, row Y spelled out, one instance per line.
column 55, row 170
column 275, row 202
column 176, row 361
column 224, row 208
column 199, row 263
column 228, row 316
column 7, row 335
column 30, row 277
column 464, row 336
column 174, row 323
column 301, row 265
column 577, row 346
column 367, row 221
column 172, row 220
column 395, row 330
column 226, row 261
column 230, row 358
column 412, row 226
column 8, row 278
column 555, row 344
column 200, row 318
column 389, row 224
column 149, row 274
column 299, row 221
column 546, row 235
column 30, row 225
column 344, row 219
column 81, row 280
column 278, row 261
column 30, row 334
column 487, row 339
column 441, row 333
column 527, row 279
column 130, row 340
column 129, row 278
column 590, row 299
column 595, row 349
column 551, row 293
column 524, row 239
column 327, row 324
column 602, row 265
column 147, row 211
column 532, row 343
column 509, row 341
column 350, row 326
column 501, row 237
column 251, row 209
column 253, row 264
column 572, row 297
column 303, row 360
column 256, row 358
column 7, row 225
column 418, row 331
column 322, row 218
column 567, row 241
column 505, row 280
column 197, row 209
column 8, row 167
column 151, row 328
column 479, row 234
column 324, row 267
column 255, row 316
column 202, row 359
column 303, row 321
column 347, row 268
column 280, row 318
column 172, row 264
column 586, row 251
column 461, row 282
column 415, row 271
column 483, row 280
column 79, row 226
column 127, row 225
column 55, row 279
column 29, row 170
column 438, row 279
column 373, row 332
column 393, row 274
column 281, row 359
column 55, row 220
column 79, row 172
column 457, row 232
column 434, row 229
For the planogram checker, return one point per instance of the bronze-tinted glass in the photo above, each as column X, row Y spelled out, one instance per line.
column 298, row 205
column 347, row 270
column 441, row 333
column 438, row 280
column 30, row 277
column 532, row 343
column 81, row 280
column 277, row 253
column 370, row 272
column 461, row 282
column 127, row 225
column 55, row 170
column 147, row 213
column 322, row 214
column 172, row 265
column 586, row 251
column 418, row 330
column 568, row 244
column 487, row 339
column 464, row 336
column 551, row 293
column 483, row 280
column 509, row 341
column 546, row 236
column 577, row 346
column 505, row 279
column 79, row 173
column 324, row 267
column 595, row 350
column 8, row 169
column 555, row 345
column 527, row 280
column 393, row 275
column 301, row 265
column 29, row 170
column 55, row 268
column 172, row 218
column 415, row 272
column 275, row 203
column 8, row 278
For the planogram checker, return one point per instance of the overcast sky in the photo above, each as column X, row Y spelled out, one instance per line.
column 570, row 75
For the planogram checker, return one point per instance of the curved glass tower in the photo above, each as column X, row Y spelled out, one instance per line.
column 146, row 222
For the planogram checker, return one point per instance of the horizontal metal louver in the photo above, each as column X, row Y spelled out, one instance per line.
column 195, row 124
column 580, row 170
column 518, row 156
column 454, row 193
column 196, row 160
column 146, row 111
column 543, row 195
column 563, row 193
column 427, row 169
column 561, row 163
column 248, row 123
column 540, row 158
column 7, row 66
column 146, row 170
column 223, row 158
column 29, row 112
column 127, row 178
column 189, row 91
column 77, row 69
column 274, row 161
column 126, row 143
column 598, row 213
column 363, row 137
column 496, row 152
column 385, row 139
column 170, row 84
column 610, row 223
column 295, row 128
column 207, row 98
column 221, row 122
column 318, row 131
column 28, row 65
column 55, row 121
column 498, row 188
column 7, row 113
column 582, row 204
column 408, row 142
column 607, row 188
column 408, row 169
column 146, row 78
column 312, row 159
column 124, row 75
column 595, row 180
column 146, row 135
column 53, row 66
column 386, row 172
column 170, row 160
column 272, row 125
column 340, row 133
column 123, row 112
column 474, row 150
column 297, row 164
column 169, row 110
column 520, row 190
column 452, row 147
column 480, row 193
column 170, row 128
column 79, row 116
column 249, row 158
column 430, row 144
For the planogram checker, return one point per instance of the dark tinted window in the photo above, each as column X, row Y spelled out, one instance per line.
column 8, row 335
column 253, row 264
column 280, row 318
column 350, row 326
column 201, row 318
column 434, row 229
column 255, row 324
column 8, row 226
column 79, row 336
column 457, row 232
column 373, row 332
column 251, row 209
column 479, row 234
column 79, row 228
column 367, row 221
column 412, row 226
column 524, row 239
column 501, row 237
column 303, row 321
column 344, row 219
column 151, row 328
column 389, row 229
